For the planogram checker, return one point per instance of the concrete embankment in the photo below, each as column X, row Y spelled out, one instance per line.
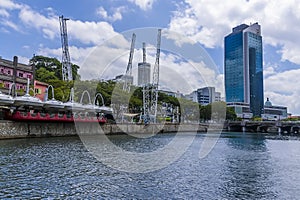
column 11, row 129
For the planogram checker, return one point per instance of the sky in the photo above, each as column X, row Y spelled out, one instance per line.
column 192, row 44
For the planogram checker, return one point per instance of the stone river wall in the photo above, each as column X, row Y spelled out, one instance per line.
column 11, row 129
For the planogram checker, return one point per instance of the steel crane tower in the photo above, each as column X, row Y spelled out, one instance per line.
column 128, row 75
column 146, row 92
column 155, row 81
column 150, row 91
column 66, row 63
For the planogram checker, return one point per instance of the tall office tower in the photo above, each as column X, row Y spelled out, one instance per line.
column 244, row 67
column 144, row 70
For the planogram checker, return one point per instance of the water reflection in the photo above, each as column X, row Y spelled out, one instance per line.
column 239, row 167
column 248, row 168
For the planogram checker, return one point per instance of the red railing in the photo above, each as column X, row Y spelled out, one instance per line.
column 27, row 116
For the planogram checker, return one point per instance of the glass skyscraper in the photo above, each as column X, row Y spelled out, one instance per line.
column 244, row 67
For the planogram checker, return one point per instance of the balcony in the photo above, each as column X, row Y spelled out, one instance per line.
column 6, row 77
column 21, row 80
column 26, row 68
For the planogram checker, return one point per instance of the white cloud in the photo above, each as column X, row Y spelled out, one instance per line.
column 269, row 71
column 4, row 13
column 86, row 32
column 174, row 74
column 77, row 54
column 23, row 60
column 291, row 52
column 10, row 24
column 31, row 18
column 8, row 4
column 90, row 32
column 3, row 30
column 208, row 21
column 117, row 15
column 283, row 89
column 143, row 4
column 96, row 61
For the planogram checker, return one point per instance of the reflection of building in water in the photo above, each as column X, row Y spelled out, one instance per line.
column 274, row 112
column 204, row 96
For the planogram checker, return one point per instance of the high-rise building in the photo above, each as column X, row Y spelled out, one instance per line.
column 244, row 67
column 144, row 70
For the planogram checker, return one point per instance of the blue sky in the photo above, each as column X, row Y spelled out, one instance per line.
column 32, row 27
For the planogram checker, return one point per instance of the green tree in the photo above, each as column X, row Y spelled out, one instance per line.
column 230, row 114
column 42, row 74
column 52, row 65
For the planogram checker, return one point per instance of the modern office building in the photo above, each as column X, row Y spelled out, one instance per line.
column 244, row 67
column 15, row 73
column 193, row 96
column 204, row 96
column 208, row 95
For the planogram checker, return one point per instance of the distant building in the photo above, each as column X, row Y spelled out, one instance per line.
column 193, row 96
column 204, row 96
column 14, row 73
column 172, row 94
column 244, row 67
column 242, row 110
column 123, row 78
column 274, row 112
column 144, row 71
column 208, row 95
column 40, row 89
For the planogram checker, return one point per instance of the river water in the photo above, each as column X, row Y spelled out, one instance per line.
column 240, row 166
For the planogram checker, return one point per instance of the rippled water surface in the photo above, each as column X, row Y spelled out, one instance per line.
column 239, row 167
